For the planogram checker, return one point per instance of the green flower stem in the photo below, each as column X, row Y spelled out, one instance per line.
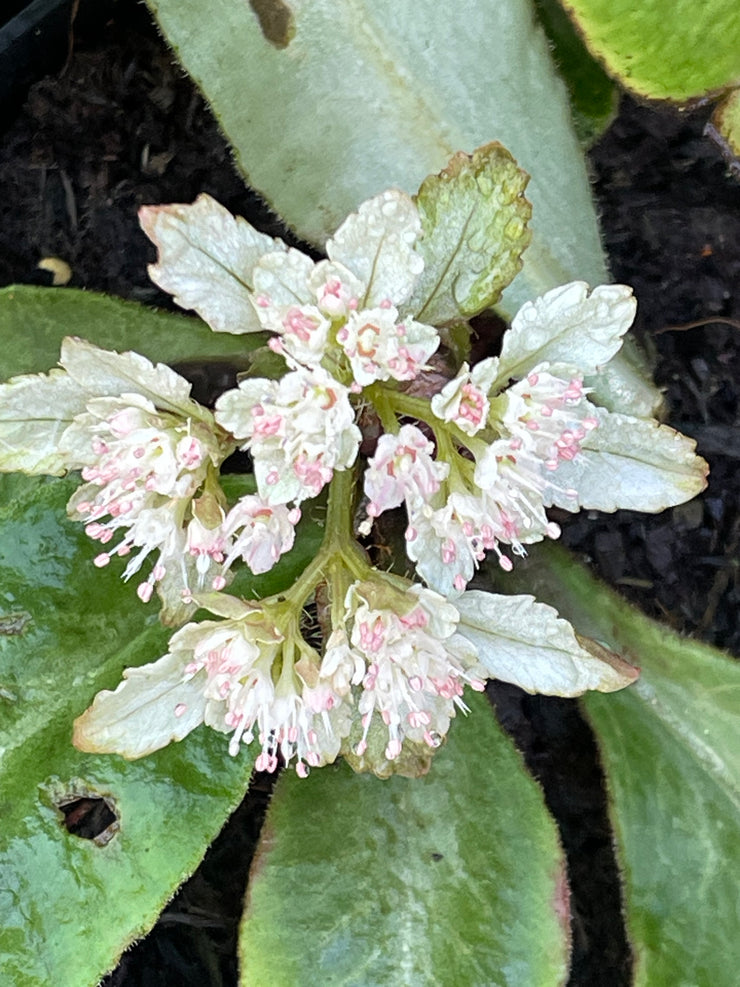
column 447, row 434
column 402, row 404
column 340, row 541
column 340, row 558
column 381, row 399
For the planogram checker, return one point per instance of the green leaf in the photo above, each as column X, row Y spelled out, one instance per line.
column 670, row 744
column 68, row 906
column 665, row 49
column 454, row 878
column 34, row 321
column 373, row 93
column 724, row 127
column 474, row 218
column 593, row 96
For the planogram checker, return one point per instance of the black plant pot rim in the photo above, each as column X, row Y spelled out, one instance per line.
column 35, row 42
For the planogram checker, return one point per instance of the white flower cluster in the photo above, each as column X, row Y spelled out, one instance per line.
column 490, row 452
column 511, row 424
column 395, row 661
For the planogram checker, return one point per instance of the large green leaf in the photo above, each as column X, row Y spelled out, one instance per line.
column 350, row 98
column 664, row 49
column 328, row 103
column 34, row 321
column 671, row 750
column 593, row 95
column 68, row 906
column 454, row 878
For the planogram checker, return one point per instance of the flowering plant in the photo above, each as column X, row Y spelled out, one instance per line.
column 476, row 454
column 332, row 606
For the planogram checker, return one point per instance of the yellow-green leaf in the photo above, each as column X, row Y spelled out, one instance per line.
column 663, row 49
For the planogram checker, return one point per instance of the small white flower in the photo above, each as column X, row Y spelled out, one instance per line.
column 402, row 469
column 298, row 429
column 258, row 532
column 142, row 468
column 447, row 543
column 380, row 346
column 464, row 400
column 416, row 664
column 546, row 416
column 207, row 546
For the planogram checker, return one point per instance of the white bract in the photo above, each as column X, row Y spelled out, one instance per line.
column 347, row 311
column 395, row 667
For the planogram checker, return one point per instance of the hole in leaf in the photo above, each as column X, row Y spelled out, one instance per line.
column 91, row 817
column 14, row 623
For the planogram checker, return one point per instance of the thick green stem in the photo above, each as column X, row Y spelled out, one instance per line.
column 339, row 553
column 340, row 538
column 381, row 399
column 340, row 509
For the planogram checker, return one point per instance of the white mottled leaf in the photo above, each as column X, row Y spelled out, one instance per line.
column 527, row 643
column 108, row 374
column 223, row 605
column 567, row 325
column 376, row 244
column 35, row 409
column 283, row 278
column 141, row 716
column 630, row 463
column 206, row 259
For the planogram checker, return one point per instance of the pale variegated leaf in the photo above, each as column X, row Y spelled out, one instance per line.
column 629, row 463
column 206, row 259
column 35, row 409
column 567, row 325
column 474, row 216
column 376, row 243
column 151, row 707
column 110, row 374
column 527, row 643
column 283, row 278
column 377, row 93
column 223, row 605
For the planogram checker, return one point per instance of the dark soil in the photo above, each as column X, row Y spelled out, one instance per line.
column 121, row 127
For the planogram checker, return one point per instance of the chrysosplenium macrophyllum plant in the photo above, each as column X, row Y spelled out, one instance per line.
column 374, row 394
